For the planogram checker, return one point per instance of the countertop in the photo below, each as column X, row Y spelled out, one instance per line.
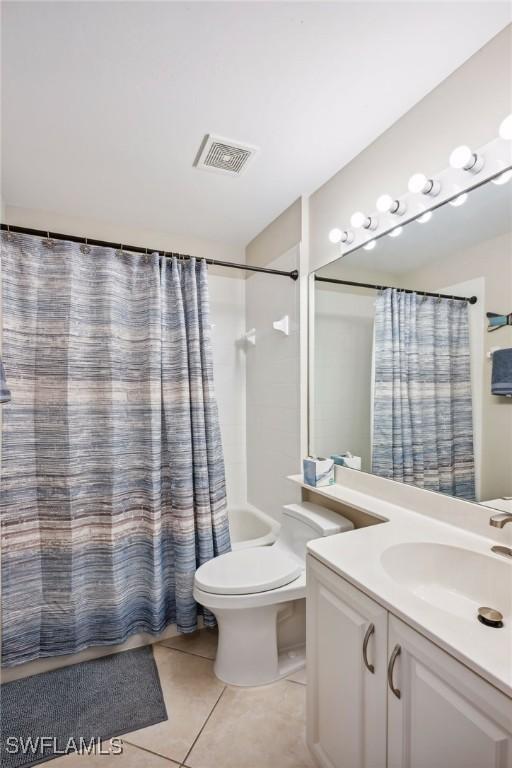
column 446, row 616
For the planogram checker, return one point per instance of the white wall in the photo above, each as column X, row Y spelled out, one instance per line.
column 278, row 237
column 466, row 108
column 343, row 371
column 273, row 388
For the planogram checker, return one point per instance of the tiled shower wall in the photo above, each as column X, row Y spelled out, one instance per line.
column 227, row 315
column 273, row 388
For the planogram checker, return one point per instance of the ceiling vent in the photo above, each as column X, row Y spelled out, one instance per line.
column 224, row 156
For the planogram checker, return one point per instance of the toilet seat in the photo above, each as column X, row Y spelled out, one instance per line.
column 247, row 571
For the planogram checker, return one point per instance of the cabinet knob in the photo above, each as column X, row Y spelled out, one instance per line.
column 369, row 632
column 396, row 652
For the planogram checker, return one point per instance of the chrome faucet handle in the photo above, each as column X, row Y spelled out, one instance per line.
column 500, row 519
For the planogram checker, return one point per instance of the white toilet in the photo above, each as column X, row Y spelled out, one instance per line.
column 256, row 596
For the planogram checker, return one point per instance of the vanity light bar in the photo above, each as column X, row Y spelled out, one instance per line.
column 462, row 158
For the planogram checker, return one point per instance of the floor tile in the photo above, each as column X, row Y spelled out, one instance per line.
column 131, row 757
column 253, row 727
column 201, row 643
column 298, row 677
column 190, row 691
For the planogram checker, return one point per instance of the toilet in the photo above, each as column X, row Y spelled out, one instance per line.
column 257, row 596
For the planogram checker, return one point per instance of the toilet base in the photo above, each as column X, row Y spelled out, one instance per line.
column 247, row 651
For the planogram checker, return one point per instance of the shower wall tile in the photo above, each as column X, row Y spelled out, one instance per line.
column 227, row 315
column 273, row 389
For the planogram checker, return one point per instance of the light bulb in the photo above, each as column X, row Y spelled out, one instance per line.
column 418, row 183
column 347, row 236
column 502, row 178
column 370, row 246
column 464, row 159
column 388, row 204
column 341, row 236
column 396, row 232
column 384, row 203
column 425, row 217
column 358, row 219
column 506, row 128
column 459, row 200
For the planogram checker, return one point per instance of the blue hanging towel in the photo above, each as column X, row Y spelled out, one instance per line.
column 5, row 392
column 501, row 383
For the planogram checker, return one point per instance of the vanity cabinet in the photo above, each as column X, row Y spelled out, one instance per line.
column 346, row 692
column 446, row 716
column 417, row 708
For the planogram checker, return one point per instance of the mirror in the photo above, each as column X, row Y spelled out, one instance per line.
column 403, row 381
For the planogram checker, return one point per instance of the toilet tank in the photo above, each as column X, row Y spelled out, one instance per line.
column 305, row 521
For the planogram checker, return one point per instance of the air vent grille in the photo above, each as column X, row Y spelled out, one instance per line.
column 224, row 156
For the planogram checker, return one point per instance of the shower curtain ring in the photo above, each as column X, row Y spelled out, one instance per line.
column 48, row 241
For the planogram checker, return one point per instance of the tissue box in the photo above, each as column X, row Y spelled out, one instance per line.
column 347, row 460
column 318, row 472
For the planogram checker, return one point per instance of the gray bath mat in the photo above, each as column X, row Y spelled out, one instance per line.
column 97, row 699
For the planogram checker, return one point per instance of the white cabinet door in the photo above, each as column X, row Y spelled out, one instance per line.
column 446, row 716
column 346, row 700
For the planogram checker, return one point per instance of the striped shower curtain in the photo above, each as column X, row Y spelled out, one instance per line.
column 113, row 488
column 423, row 418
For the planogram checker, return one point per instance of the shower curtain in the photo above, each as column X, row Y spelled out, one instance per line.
column 113, row 488
column 423, row 418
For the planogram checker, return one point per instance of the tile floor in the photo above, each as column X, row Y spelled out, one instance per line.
column 212, row 725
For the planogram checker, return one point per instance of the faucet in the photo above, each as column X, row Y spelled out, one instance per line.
column 501, row 519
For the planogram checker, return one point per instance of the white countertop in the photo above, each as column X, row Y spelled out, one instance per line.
column 358, row 557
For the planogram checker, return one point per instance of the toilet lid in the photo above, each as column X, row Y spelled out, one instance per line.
column 246, row 571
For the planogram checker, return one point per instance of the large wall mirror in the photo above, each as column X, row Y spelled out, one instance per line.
column 403, row 379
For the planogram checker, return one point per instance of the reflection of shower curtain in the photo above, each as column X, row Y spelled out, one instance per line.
column 423, row 421
column 113, row 485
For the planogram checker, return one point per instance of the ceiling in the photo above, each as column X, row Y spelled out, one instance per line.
column 105, row 104
column 486, row 214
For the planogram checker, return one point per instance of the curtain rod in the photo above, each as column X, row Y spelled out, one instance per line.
column 294, row 274
column 471, row 299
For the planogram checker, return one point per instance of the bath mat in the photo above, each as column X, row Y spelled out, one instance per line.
column 98, row 699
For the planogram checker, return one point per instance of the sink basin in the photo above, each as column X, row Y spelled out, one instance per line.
column 455, row 580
